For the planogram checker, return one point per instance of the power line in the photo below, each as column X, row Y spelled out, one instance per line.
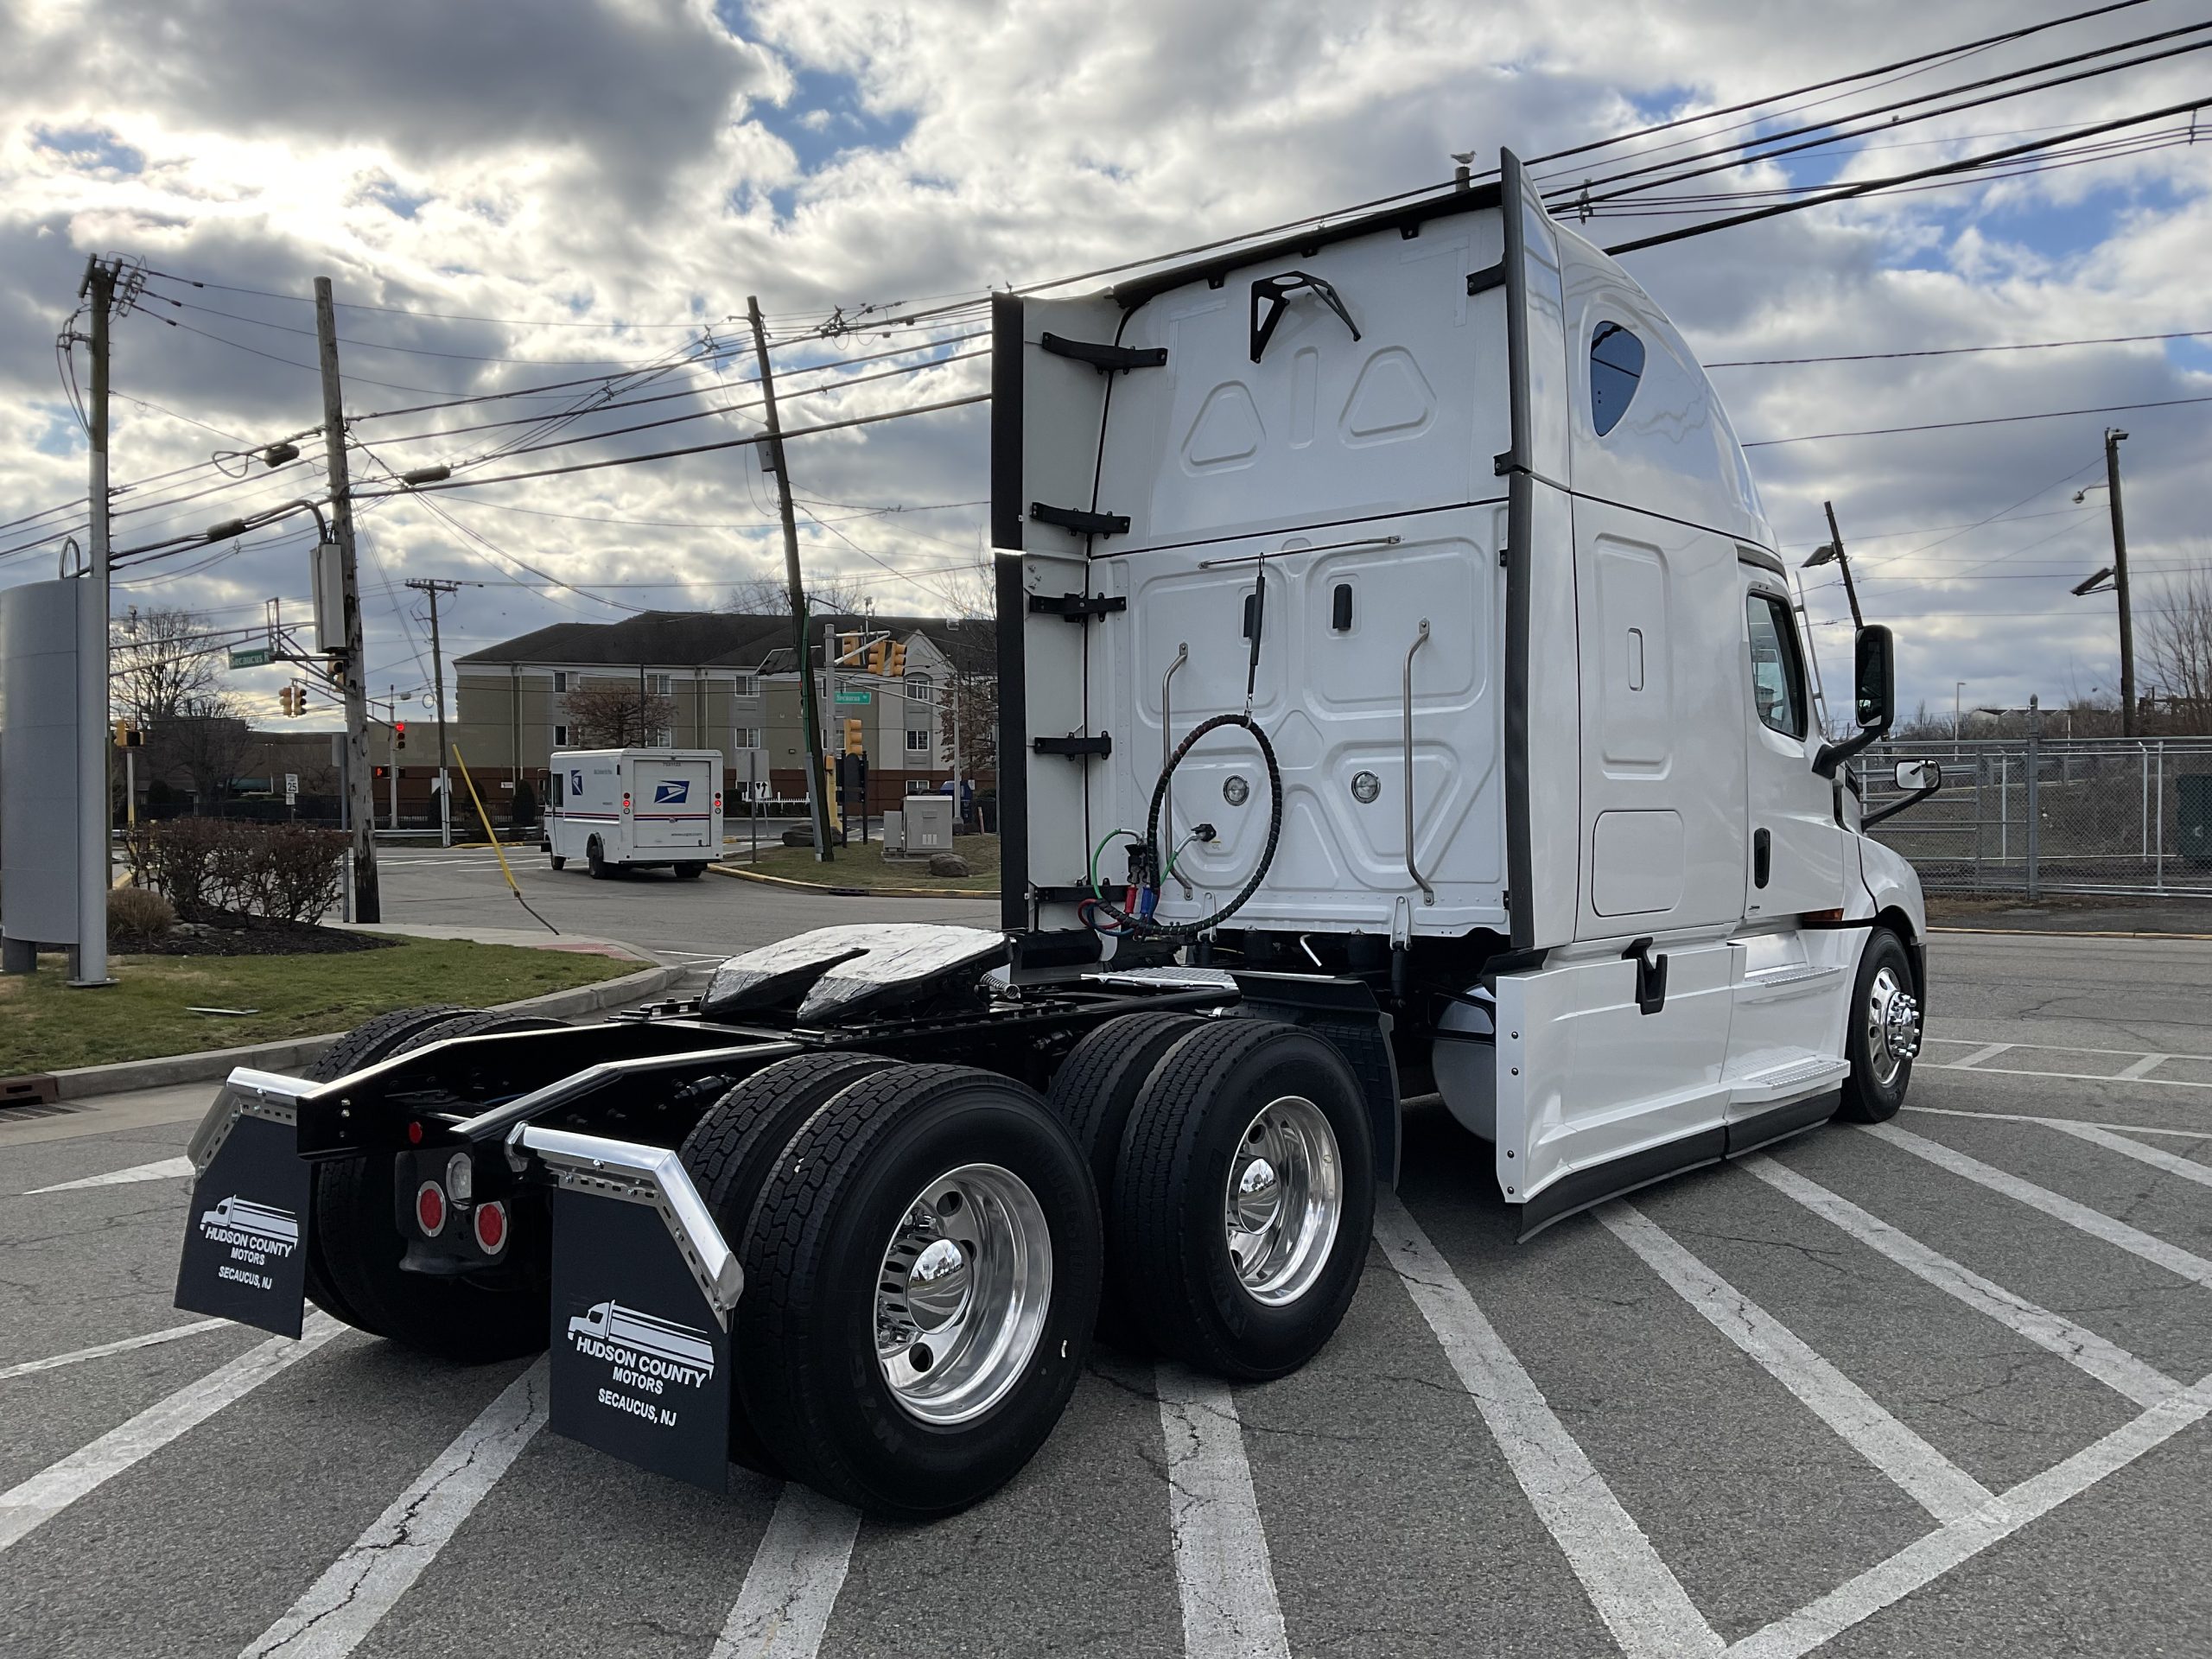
column 1959, row 351
column 1982, row 420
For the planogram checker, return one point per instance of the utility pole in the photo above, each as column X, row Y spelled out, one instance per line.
column 352, row 666
column 391, row 749
column 1843, row 559
column 2127, row 718
column 810, row 716
column 88, row 962
column 438, row 692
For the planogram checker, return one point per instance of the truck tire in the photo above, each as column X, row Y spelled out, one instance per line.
column 729, row 1155
column 1252, row 1123
column 355, row 1206
column 945, row 1208
column 1883, row 1033
column 364, row 1046
column 1093, row 1093
column 595, row 862
column 690, row 872
column 557, row 861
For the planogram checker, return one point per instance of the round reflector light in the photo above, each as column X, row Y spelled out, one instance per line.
column 460, row 1178
column 430, row 1208
column 491, row 1228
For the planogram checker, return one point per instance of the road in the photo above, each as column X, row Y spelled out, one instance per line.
column 1933, row 1389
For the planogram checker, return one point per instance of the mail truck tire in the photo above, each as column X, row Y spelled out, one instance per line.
column 595, row 862
column 557, row 861
column 364, row 1046
column 1882, row 1035
column 1244, row 1198
column 356, row 1205
column 922, row 1277
column 731, row 1150
column 690, row 872
column 1093, row 1093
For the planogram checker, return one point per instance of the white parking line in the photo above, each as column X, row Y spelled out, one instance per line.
column 25, row 1507
column 338, row 1611
column 2083, row 1349
column 2063, row 1122
column 167, row 1169
column 2156, row 1157
column 1928, row 1477
column 1643, row 1603
column 1980, row 1054
column 792, row 1585
column 56, row 1362
column 2148, row 1063
column 2184, row 1263
column 1925, row 1559
column 1223, row 1574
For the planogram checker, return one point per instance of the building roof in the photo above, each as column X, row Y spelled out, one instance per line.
column 687, row 640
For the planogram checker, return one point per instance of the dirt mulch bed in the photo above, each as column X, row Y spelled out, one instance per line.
column 228, row 935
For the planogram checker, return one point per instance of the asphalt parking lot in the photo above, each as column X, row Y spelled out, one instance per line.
column 1933, row 1389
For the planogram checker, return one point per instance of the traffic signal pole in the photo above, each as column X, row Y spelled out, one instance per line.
column 352, row 666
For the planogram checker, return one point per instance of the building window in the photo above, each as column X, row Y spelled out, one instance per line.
column 744, row 685
column 560, row 737
column 745, row 737
column 1616, row 369
column 661, row 684
column 920, row 688
column 918, row 742
column 560, row 682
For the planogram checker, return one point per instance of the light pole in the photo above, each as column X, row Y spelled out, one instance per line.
column 1833, row 549
column 1958, row 694
column 2118, row 571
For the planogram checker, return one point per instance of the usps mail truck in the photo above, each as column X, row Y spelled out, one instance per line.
column 635, row 808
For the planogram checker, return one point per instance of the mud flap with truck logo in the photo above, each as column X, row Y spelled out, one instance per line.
column 643, row 1288
column 244, row 1255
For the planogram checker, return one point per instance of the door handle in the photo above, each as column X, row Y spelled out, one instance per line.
column 1762, row 857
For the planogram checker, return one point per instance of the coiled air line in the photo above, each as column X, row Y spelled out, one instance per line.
column 1137, row 919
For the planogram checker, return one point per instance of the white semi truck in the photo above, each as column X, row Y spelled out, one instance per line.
column 1400, row 693
column 635, row 810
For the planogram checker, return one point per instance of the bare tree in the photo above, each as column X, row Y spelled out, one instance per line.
column 2176, row 635
column 768, row 596
column 207, row 741
column 611, row 715
column 972, row 687
column 161, row 661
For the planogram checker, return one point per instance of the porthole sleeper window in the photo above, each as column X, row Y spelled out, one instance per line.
column 1616, row 369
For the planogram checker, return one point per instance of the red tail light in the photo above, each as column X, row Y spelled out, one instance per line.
column 626, row 802
column 718, row 800
column 430, row 1208
column 491, row 1228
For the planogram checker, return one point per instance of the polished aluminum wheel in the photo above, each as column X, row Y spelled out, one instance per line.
column 1892, row 1025
column 962, row 1294
column 1285, row 1200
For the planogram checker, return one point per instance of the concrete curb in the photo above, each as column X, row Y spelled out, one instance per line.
column 209, row 1065
column 847, row 892
column 2060, row 933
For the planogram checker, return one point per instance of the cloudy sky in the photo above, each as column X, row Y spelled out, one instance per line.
column 517, row 195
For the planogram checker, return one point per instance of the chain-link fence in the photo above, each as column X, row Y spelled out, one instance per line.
column 2033, row 816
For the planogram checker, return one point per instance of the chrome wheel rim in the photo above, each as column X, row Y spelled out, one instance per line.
column 1892, row 1025
column 1284, row 1200
column 962, row 1293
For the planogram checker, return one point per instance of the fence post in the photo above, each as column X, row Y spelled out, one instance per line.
column 1980, row 774
column 2034, row 809
column 2004, row 809
column 2160, row 796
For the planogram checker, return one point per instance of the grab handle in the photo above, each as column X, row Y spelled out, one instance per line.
column 1428, row 893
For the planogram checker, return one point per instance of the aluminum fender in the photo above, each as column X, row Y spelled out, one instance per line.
column 1891, row 883
column 652, row 1176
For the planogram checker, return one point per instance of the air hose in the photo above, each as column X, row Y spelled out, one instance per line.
column 1138, row 920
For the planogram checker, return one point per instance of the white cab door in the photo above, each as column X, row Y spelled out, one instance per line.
column 1794, row 862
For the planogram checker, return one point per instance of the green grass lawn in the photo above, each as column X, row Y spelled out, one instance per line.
column 858, row 865
column 45, row 1027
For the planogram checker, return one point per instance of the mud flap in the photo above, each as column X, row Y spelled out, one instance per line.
column 643, row 1286
column 245, row 1236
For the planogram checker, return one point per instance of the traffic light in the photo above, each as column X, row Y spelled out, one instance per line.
column 898, row 658
column 879, row 655
column 128, row 737
column 288, row 700
column 379, row 772
column 855, row 737
column 848, row 647
column 399, row 733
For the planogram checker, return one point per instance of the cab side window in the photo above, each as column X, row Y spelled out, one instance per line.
column 1778, row 673
column 1616, row 370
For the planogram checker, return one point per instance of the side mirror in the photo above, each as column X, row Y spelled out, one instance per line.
column 1919, row 774
column 1875, row 675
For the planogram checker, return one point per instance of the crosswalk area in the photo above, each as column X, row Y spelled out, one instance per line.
column 1935, row 1386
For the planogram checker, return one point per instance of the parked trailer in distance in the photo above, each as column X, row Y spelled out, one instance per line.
column 635, row 808
column 1400, row 691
